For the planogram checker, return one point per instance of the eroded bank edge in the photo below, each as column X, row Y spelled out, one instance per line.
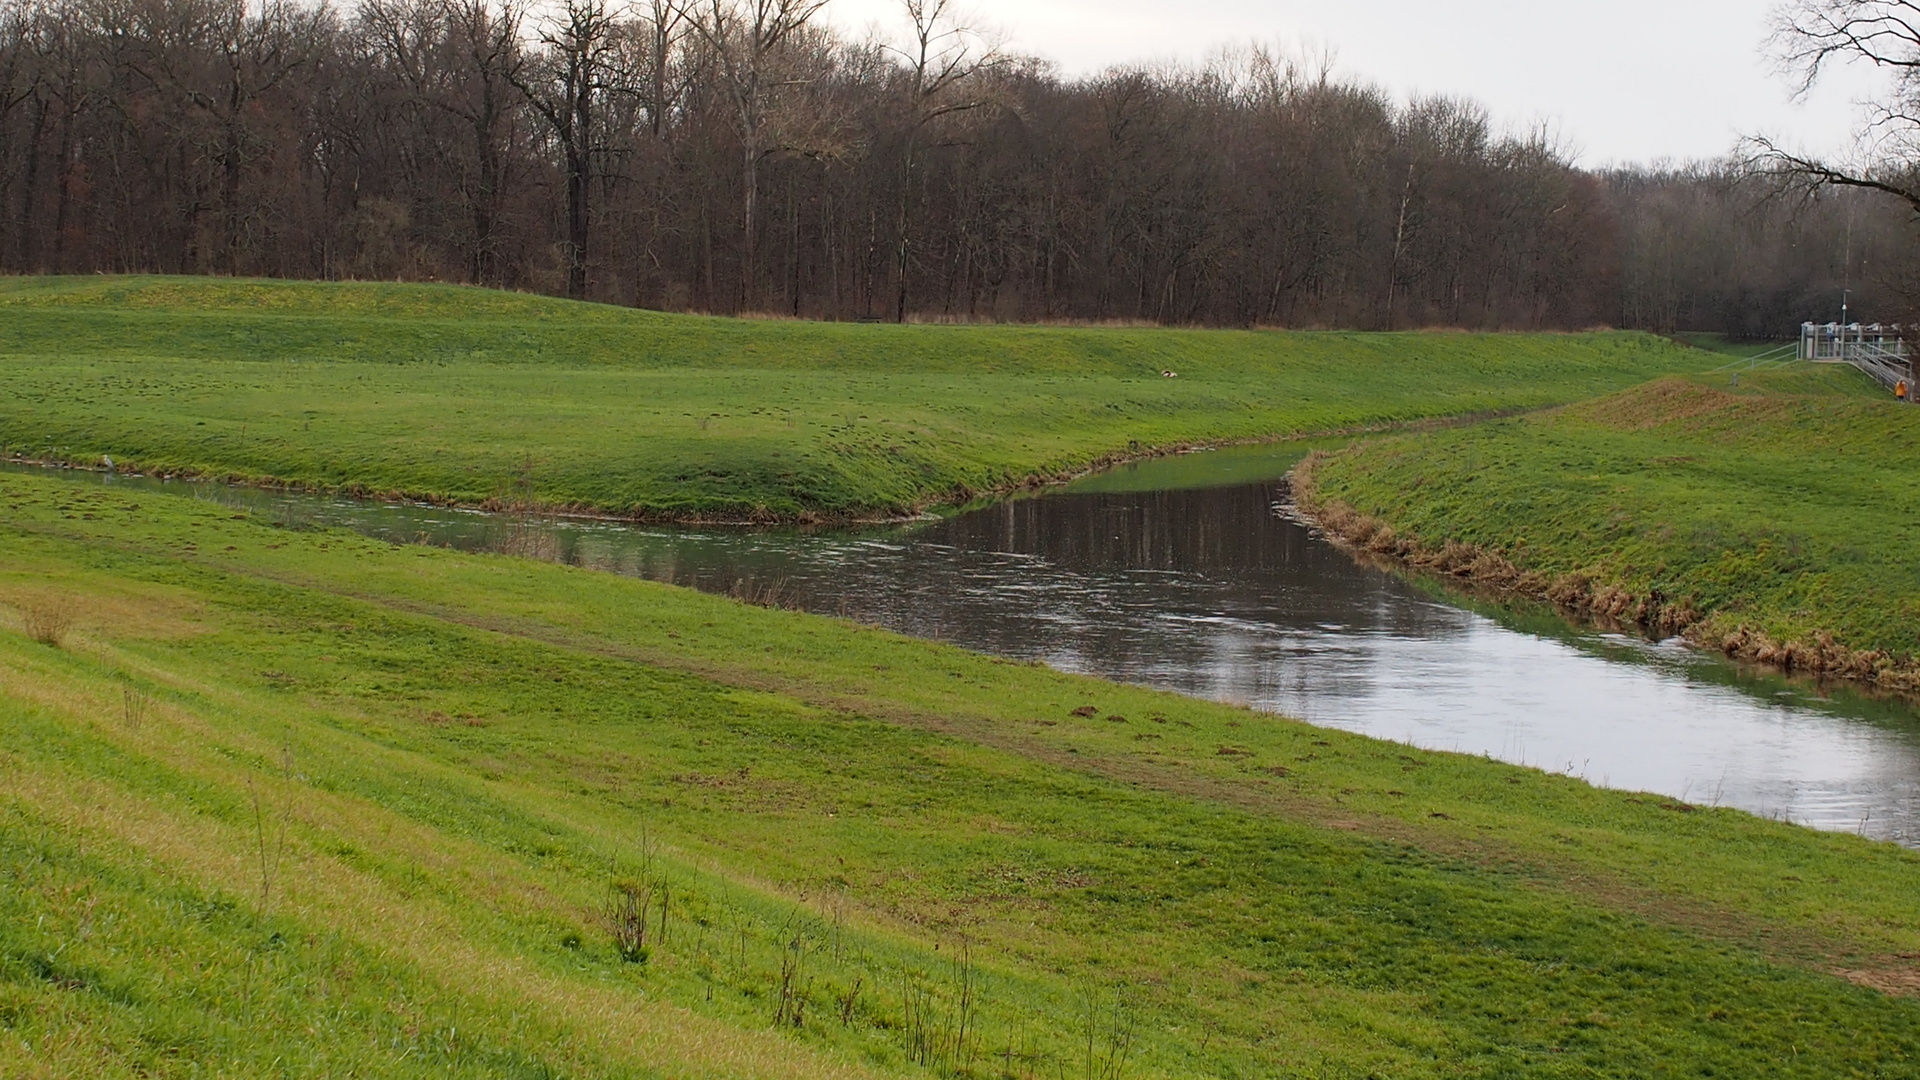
column 1586, row 596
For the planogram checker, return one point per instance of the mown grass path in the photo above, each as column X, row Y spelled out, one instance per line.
column 469, row 396
column 308, row 797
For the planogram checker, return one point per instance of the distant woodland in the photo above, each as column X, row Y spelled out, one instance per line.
column 744, row 156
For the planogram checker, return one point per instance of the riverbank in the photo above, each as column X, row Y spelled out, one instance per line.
column 1772, row 520
column 278, row 792
column 475, row 398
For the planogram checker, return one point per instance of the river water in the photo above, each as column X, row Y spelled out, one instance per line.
column 1213, row 591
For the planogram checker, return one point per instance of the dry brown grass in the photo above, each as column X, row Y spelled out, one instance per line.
column 530, row 540
column 1894, row 982
column 48, row 620
column 774, row 594
column 121, row 611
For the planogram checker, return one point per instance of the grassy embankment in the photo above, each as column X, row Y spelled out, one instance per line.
column 291, row 803
column 1778, row 519
column 469, row 395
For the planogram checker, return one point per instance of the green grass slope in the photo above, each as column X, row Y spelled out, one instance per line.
column 290, row 803
column 1778, row 519
column 470, row 395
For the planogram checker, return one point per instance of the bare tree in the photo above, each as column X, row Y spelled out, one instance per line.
column 220, row 58
column 1810, row 36
column 35, row 41
column 746, row 37
column 946, row 57
column 667, row 26
column 476, row 74
column 566, row 88
column 20, row 71
column 740, row 154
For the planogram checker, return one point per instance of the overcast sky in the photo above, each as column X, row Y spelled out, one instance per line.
column 1621, row 80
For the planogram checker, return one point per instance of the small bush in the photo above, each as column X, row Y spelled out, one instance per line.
column 133, row 707
column 47, row 621
column 529, row 540
column 626, row 917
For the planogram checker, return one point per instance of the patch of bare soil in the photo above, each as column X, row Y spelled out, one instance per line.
column 1894, row 982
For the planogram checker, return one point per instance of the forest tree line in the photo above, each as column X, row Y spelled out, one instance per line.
column 746, row 156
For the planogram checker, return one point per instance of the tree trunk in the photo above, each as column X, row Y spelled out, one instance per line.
column 230, row 175
column 480, row 260
column 579, row 187
column 577, row 226
column 63, row 193
column 903, row 257
column 23, row 226
column 750, row 183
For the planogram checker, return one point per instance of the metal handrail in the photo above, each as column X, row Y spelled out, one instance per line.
column 1878, row 351
column 1783, row 356
column 1883, row 366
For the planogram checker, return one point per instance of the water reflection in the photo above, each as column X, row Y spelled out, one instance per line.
column 1215, row 594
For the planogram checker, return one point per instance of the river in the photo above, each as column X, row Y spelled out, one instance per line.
column 1187, row 574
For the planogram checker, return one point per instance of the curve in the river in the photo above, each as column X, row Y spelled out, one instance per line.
column 1214, row 593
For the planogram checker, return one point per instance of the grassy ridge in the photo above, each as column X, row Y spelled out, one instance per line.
column 295, row 797
column 469, row 395
column 1777, row 519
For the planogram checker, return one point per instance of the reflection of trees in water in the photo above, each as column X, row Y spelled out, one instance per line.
column 1221, row 530
column 1207, row 592
column 1172, row 566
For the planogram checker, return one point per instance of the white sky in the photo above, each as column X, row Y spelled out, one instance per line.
column 1620, row 80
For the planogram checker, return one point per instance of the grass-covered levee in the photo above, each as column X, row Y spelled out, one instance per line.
column 1774, row 515
column 472, row 396
column 291, row 803
column 282, row 802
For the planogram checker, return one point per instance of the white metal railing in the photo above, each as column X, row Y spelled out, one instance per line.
column 1843, row 342
column 1772, row 360
column 1887, row 369
column 1879, row 351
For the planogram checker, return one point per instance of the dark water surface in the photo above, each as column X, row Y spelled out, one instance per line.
column 1215, row 593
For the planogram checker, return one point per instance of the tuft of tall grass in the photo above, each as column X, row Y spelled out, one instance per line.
column 795, row 984
column 626, row 918
column 270, row 836
column 133, row 707
column 48, row 620
column 775, row 594
column 528, row 539
column 1110, row 1030
column 293, row 516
